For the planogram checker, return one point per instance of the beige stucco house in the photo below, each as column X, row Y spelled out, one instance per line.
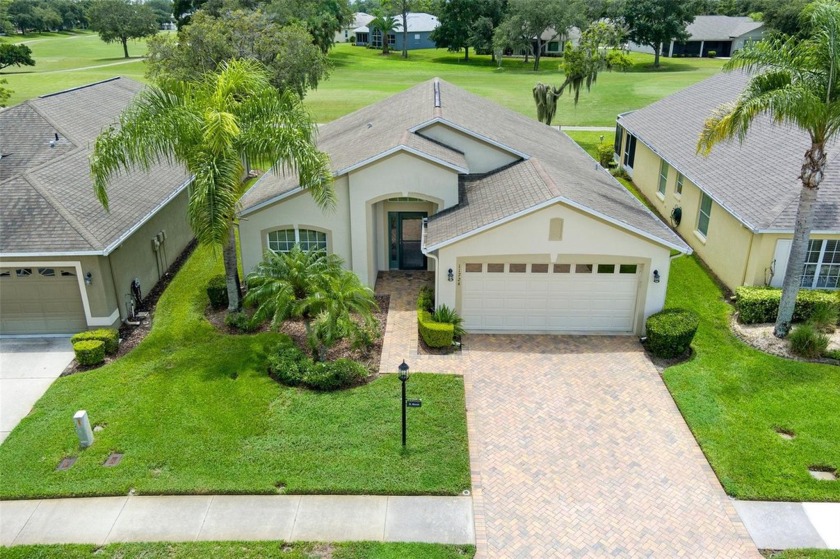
column 525, row 232
column 66, row 264
column 738, row 204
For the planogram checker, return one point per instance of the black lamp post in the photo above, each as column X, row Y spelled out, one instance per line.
column 403, row 374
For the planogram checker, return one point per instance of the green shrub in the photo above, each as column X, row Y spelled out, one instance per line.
column 806, row 341
column 618, row 60
column 824, row 317
column 434, row 334
column 217, row 291
column 832, row 354
column 669, row 332
column 605, row 152
column 426, row 299
column 89, row 352
column 108, row 336
column 757, row 305
column 332, row 375
column 288, row 365
column 712, row 53
column 445, row 315
column 240, row 321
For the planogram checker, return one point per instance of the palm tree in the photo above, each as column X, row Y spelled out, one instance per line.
column 794, row 82
column 386, row 25
column 314, row 286
column 212, row 127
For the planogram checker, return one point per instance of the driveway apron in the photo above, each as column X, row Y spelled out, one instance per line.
column 582, row 453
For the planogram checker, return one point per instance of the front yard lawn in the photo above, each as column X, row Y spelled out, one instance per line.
column 194, row 411
column 733, row 397
column 242, row 550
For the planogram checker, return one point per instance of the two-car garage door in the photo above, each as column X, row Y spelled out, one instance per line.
column 37, row 300
column 528, row 297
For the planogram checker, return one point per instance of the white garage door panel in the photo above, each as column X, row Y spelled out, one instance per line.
column 548, row 302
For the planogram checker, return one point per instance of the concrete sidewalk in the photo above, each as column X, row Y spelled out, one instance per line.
column 777, row 525
column 320, row 518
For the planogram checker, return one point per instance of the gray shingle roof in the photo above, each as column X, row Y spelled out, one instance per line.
column 554, row 167
column 720, row 28
column 49, row 205
column 757, row 181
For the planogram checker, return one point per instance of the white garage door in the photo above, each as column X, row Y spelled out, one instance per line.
column 40, row 301
column 583, row 297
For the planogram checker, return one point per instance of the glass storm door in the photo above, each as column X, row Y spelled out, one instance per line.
column 405, row 234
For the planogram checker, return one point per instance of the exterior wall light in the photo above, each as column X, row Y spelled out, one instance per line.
column 450, row 275
column 88, row 278
column 656, row 276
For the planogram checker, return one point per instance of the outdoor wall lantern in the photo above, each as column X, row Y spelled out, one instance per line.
column 88, row 279
column 656, row 276
column 403, row 375
column 451, row 275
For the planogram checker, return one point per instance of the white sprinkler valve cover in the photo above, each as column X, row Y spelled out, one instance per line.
column 83, row 430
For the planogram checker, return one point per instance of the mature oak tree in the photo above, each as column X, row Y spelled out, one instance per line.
column 121, row 20
column 656, row 23
column 15, row 55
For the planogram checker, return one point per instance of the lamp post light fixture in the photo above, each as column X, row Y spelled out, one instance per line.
column 403, row 376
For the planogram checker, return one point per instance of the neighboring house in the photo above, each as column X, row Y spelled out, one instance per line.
column 348, row 32
column 420, row 27
column 526, row 233
column 722, row 34
column 66, row 264
column 738, row 205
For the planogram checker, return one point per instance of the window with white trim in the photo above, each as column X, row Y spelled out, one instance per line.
column 822, row 264
column 663, row 177
column 678, row 186
column 704, row 215
column 283, row 240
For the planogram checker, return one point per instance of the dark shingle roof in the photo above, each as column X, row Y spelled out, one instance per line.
column 49, row 205
column 757, row 180
column 553, row 166
column 720, row 28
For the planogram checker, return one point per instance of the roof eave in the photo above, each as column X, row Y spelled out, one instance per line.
column 471, row 133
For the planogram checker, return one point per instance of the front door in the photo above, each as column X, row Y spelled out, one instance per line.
column 405, row 235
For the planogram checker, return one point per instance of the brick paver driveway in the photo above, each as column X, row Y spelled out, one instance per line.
column 579, row 451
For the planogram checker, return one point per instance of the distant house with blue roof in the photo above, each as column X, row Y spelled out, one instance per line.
column 420, row 27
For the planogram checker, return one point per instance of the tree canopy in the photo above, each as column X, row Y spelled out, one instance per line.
column 656, row 23
column 538, row 22
column 293, row 62
column 15, row 55
column 121, row 20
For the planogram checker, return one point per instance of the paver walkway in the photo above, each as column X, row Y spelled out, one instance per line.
column 577, row 449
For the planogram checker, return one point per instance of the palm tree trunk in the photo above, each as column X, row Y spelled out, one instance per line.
column 232, row 273
column 812, row 175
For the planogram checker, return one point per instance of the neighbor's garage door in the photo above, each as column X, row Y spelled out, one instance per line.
column 40, row 301
column 515, row 297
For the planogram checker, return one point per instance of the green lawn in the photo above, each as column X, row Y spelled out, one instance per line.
column 363, row 76
column 733, row 397
column 242, row 550
column 806, row 554
column 65, row 60
column 194, row 411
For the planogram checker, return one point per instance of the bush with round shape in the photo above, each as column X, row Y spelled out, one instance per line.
column 669, row 332
column 89, row 352
column 605, row 151
column 239, row 321
column 217, row 292
column 108, row 336
column 434, row 334
column 806, row 341
column 333, row 375
column 288, row 365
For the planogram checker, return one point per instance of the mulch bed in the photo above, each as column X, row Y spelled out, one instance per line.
column 132, row 334
column 296, row 330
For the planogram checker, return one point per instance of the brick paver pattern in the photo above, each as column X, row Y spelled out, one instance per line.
column 576, row 447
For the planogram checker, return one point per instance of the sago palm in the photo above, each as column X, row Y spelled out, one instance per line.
column 798, row 83
column 212, row 127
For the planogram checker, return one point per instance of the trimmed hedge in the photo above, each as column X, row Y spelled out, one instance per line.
column 89, row 352
column 435, row 334
column 290, row 366
column 669, row 332
column 108, row 336
column 757, row 305
column 217, row 291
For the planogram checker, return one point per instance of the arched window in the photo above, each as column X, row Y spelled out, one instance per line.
column 283, row 240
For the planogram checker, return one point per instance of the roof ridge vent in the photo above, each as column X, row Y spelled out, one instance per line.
column 437, row 93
